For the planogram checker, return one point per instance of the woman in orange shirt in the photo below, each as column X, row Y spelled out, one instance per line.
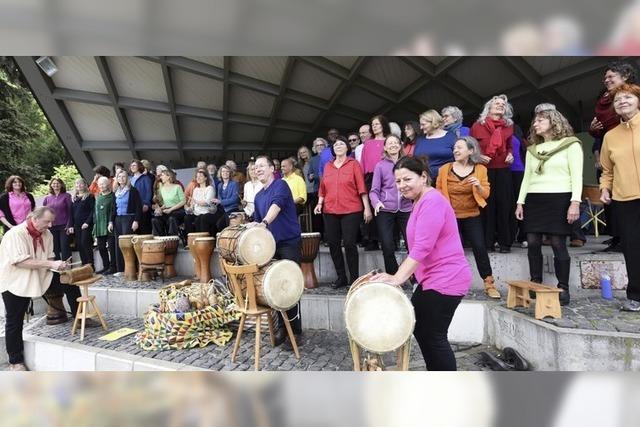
column 465, row 184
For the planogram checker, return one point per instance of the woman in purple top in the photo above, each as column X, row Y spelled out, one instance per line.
column 60, row 201
column 389, row 207
column 435, row 258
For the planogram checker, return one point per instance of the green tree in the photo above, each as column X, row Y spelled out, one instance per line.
column 31, row 148
column 67, row 173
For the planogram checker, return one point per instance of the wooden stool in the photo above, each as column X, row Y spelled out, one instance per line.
column 83, row 307
column 547, row 298
column 248, row 307
column 595, row 208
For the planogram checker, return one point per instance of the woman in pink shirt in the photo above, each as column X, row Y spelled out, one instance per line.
column 15, row 203
column 435, row 258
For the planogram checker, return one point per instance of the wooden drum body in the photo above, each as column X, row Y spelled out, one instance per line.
column 203, row 248
column 129, row 255
column 379, row 317
column 310, row 248
column 279, row 284
column 246, row 245
column 153, row 252
column 170, row 252
column 137, row 247
column 196, row 263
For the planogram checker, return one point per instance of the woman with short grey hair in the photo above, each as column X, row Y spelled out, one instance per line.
column 465, row 184
column 452, row 118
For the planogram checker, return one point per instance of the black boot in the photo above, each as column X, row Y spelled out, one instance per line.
column 535, row 270
column 562, row 268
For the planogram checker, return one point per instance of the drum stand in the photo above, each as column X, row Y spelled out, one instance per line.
column 83, row 307
column 247, row 306
column 374, row 363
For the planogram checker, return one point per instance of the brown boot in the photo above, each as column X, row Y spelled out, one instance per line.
column 490, row 288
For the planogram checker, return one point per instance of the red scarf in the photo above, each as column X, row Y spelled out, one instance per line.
column 35, row 235
column 496, row 144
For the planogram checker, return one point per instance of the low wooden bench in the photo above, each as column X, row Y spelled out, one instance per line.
column 547, row 298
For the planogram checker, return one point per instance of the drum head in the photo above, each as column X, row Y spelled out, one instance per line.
column 256, row 245
column 379, row 317
column 283, row 284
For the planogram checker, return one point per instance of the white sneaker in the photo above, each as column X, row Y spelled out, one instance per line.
column 524, row 245
column 18, row 367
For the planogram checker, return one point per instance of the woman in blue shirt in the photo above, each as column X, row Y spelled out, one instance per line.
column 437, row 144
column 228, row 191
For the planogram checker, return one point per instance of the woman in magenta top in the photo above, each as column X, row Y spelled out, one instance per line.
column 15, row 203
column 435, row 258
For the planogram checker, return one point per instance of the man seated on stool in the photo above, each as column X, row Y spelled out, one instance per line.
column 276, row 210
column 26, row 255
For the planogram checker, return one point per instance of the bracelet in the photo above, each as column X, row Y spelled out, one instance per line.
column 265, row 222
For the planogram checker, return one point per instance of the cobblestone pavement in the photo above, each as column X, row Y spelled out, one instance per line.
column 320, row 350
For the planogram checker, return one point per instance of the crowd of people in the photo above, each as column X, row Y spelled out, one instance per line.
column 431, row 184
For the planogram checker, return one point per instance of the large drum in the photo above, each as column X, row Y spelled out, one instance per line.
column 196, row 263
column 137, row 247
column 203, row 248
column 246, row 245
column 379, row 317
column 170, row 251
column 237, row 218
column 129, row 255
column 279, row 284
column 310, row 247
column 153, row 252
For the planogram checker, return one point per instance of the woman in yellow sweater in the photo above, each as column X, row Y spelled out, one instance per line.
column 620, row 183
column 549, row 200
column 465, row 184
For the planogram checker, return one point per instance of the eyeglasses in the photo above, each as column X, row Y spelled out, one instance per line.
column 353, row 140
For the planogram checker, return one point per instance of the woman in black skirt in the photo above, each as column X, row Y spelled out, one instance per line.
column 549, row 200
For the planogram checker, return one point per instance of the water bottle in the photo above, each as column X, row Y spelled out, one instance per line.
column 605, row 286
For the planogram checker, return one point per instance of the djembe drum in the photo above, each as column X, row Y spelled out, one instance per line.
column 196, row 262
column 240, row 244
column 129, row 255
column 203, row 248
column 153, row 253
column 379, row 318
column 170, row 252
column 137, row 240
column 237, row 218
column 279, row 284
column 310, row 248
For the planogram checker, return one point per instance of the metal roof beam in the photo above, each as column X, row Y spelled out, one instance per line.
column 275, row 109
column 107, row 78
column 226, row 98
column 168, row 84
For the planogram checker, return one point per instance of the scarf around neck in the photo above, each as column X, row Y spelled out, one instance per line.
column 496, row 144
column 543, row 156
column 454, row 128
column 35, row 235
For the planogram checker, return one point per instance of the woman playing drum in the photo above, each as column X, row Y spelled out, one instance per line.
column 437, row 260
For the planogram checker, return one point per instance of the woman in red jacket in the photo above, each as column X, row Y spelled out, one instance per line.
column 494, row 130
column 344, row 202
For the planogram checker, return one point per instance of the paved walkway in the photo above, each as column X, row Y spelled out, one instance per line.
column 320, row 350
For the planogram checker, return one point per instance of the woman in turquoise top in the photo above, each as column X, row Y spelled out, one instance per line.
column 550, row 194
column 169, row 213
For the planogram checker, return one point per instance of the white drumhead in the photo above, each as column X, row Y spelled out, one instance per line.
column 379, row 317
column 283, row 284
column 310, row 235
column 167, row 238
column 256, row 245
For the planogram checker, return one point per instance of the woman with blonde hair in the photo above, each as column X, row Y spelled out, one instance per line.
column 170, row 213
column 126, row 216
column 436, row 143
column 550, row 194
column 251, row 188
